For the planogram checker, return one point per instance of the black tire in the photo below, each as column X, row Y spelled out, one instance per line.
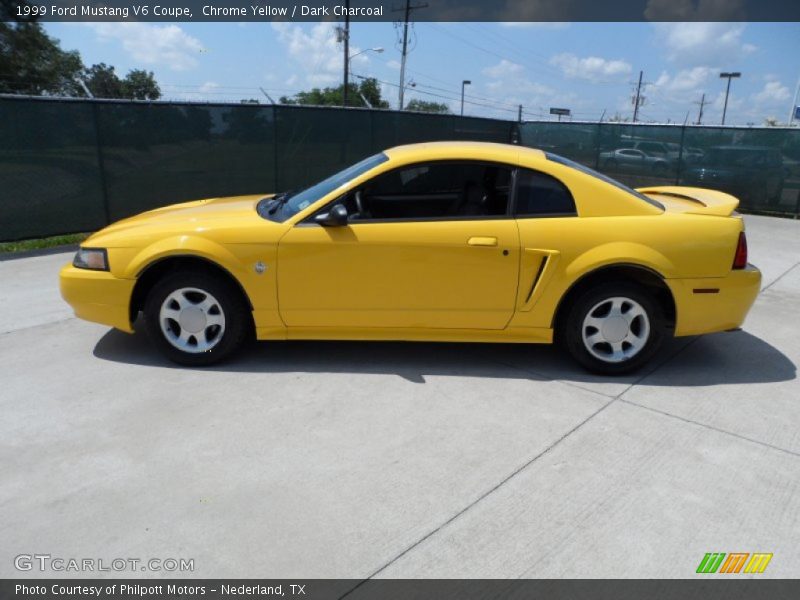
column 230, row 336
column 596, row 299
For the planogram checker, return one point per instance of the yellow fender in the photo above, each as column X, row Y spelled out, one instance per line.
column 184, row 245
column 616, row 253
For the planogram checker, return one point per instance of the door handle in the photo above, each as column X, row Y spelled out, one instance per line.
column 482, row 241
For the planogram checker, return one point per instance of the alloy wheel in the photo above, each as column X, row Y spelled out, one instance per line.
column 192, row 320
column 615, row 329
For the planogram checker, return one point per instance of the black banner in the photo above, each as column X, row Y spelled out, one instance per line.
column 392, row 10
column 387, row 589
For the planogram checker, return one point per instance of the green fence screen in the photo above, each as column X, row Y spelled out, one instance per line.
column 70, row 166
column 760, row 166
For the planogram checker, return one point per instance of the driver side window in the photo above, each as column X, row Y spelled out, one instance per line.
column 435, row 190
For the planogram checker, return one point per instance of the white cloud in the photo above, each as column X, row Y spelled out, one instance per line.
column 694, row 44
column 773, row 92
column 685, row 80
column 151, row 44
column 316, row 52
column 393, row 64
column 505, row 68
column 209, row 86
column 592, row 68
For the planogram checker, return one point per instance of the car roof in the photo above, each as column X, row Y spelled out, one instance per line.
column 463, row 149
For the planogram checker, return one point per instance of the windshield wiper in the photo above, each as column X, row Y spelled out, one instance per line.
column 279, row 201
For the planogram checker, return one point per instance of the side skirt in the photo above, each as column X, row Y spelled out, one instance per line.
column 521, row 335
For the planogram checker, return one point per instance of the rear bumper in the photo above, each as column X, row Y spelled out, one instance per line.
column 714, row 304
column 98, row 296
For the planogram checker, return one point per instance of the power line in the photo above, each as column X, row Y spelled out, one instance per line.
column 442, row 96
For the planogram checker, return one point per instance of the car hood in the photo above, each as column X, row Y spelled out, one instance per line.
column 234, row 213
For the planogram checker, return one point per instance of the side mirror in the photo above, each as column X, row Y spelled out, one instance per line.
column 335, row 217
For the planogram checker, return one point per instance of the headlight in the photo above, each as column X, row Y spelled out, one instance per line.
column 91, row 258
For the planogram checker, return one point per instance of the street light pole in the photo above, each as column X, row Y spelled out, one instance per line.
column 377, row 50
column 728, row 76
column 464, row 83
column 346, row 51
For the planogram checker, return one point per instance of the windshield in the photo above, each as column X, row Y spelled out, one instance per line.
column 584, row 169
column 293, row 202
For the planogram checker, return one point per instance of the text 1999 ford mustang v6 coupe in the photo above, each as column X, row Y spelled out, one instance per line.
column 447, row 241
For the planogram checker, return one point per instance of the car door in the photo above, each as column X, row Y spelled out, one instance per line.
column 424, row 253
column 632, row 159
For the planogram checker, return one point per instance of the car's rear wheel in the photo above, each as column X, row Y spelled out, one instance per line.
column 613, row 328
column 196, row 318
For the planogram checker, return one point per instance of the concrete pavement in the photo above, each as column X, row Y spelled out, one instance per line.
column 307, row 459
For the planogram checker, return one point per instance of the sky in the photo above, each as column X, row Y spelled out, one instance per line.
column 590, row 68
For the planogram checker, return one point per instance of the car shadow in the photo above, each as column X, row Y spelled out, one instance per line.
column 727, row 358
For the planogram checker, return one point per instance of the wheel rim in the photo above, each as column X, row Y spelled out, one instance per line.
column 192, row 320
column 615, row 329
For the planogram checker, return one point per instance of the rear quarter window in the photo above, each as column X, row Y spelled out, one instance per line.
column 539, row 195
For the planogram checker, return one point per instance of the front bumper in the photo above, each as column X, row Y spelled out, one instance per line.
column 98, row 296
column 714, row 304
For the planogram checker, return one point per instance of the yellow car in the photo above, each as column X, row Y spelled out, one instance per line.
column 446, row 241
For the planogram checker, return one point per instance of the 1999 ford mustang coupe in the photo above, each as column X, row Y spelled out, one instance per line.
column 446, row 241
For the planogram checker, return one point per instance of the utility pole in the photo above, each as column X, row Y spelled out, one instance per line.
column 407, row 10
column 702, row 104
column 519, row 114
column 637, row 99
column 346, row 40
column 728, row 76
column 794, row 103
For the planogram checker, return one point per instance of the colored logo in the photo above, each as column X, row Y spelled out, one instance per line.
column 735, row 562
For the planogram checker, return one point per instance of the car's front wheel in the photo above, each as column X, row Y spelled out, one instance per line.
column 196, row 318
column 613, row 328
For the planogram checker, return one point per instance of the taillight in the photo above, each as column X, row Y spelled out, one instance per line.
column 740, row 259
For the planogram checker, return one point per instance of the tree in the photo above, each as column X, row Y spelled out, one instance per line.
column 618, row 118
column 430, row 107
column 333, row 96
column 31, row 62
column 140, row 85
column 102, row 81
